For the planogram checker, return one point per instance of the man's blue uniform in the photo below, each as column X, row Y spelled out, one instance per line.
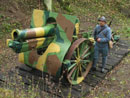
column 102, row 46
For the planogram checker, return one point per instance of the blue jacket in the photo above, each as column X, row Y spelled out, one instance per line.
column 105, row 35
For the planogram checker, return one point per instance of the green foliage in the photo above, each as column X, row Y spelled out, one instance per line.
column 88, row 8
column 6, row 26
column 65, row 5
column 126, row 31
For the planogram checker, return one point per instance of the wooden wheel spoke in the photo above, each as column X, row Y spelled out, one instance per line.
column 71, row 66
column 86, row 55
column 78, row 55
column 85, row 61
column 80, row 70
column 75, row 55
column 72, row 61
column 83, row 66
column 74, row 74
column 82, row 49
column 77, row 73
column 85, row 52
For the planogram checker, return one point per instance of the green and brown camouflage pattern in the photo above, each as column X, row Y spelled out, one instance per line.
column 45, row 50
column 20, row 35
column 52, row 42
column 30, row 44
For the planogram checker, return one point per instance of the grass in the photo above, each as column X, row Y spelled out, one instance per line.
column 15, row 88
column 115, row 85
column 90, row 9
column 125, row 30
column 6, row 25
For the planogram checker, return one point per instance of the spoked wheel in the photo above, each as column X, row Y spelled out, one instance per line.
column 79, row 55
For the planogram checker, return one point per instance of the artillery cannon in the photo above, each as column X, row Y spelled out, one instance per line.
column 53, row 44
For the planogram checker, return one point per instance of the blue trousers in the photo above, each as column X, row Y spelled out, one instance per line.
column 100, row 50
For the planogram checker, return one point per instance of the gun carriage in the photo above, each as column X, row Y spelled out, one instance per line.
column 54, row 44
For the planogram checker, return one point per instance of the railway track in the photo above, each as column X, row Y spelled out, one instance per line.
column 62, row 88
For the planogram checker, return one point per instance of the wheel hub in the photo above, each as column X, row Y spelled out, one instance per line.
column 78, row 60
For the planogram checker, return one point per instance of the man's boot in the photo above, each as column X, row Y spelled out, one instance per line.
column 103, row 64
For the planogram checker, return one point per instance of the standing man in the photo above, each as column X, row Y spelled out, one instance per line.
column 102, row 35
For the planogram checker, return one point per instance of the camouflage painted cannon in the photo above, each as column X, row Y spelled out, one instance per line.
column 53, row 44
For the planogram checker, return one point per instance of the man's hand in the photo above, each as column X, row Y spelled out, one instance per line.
column 99, row 39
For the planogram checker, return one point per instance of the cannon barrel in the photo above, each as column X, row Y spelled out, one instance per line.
column 47, row 30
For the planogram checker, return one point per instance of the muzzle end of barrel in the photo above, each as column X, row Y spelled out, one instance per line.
column 14, row 34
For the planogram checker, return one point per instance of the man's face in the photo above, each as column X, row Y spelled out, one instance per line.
column 102, row 23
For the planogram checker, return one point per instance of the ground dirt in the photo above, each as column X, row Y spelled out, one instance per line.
column 116, row 84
